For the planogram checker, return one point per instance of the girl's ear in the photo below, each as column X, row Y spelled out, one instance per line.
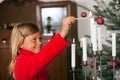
column 21, row 45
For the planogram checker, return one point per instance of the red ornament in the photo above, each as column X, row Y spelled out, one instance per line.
column 91, row 65
column 113, row 63
column 100, row 21
column 83, row 14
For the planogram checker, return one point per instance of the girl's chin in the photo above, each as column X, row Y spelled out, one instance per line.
column 36, row 51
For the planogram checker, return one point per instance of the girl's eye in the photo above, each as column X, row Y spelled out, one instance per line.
column 37, row 39
column 40, row 38
column 34, row 39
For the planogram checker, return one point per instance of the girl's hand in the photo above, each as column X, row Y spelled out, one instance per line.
column 66, row 25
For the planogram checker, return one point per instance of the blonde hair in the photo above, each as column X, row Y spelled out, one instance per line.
column 19, row 32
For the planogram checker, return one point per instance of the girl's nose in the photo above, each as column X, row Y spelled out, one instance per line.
column 39, row 42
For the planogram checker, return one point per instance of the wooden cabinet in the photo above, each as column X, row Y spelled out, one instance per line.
column 45, row 10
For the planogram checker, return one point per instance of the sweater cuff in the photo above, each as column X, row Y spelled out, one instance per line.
column 58, row 36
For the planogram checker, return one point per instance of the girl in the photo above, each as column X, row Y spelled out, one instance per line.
column 29, row 61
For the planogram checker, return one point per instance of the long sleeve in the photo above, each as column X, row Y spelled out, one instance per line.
column 32, row 65
column 51, row 50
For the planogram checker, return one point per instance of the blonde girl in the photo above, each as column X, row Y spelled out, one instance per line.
column 29, row 61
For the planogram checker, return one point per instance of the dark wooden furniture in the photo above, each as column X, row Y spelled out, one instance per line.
column 71, row 10
column 4, row 53
column 58, row 69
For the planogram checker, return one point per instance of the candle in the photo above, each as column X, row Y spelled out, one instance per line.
column 93, row 32
column 113, row 44
column 73, row 54
column 94, row 38
column 81, row 43
column 99, row 38
column 84, row 49
column 91, row 25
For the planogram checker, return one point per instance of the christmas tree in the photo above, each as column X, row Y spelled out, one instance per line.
column 110, row 13
column 109, row 16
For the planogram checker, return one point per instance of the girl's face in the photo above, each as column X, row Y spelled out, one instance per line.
column 32, row 42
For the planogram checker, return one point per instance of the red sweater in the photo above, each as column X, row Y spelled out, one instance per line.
column 31, row 66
